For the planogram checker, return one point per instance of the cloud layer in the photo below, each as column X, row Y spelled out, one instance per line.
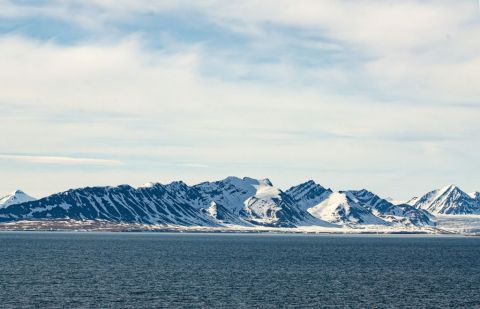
column 349, row 93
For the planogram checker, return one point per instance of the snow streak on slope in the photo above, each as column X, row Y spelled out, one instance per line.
column 308, row 194
column 223, row 216
column 153, row 205
column 15, row 197
column 448, row 200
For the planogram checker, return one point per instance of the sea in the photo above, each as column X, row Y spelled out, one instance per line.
column 181, row 270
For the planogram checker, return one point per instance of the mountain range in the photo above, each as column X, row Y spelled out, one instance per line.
column 241, row 202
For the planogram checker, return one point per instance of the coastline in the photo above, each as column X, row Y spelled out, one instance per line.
column 105, row 226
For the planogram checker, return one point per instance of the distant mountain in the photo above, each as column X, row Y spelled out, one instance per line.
column 343, row 208
column 308, row 194
column 15, row 197
column 400, row 213
column 354, row 207
column 449, row 200
column 255, row 201
column 147, row 205
column 234, row 201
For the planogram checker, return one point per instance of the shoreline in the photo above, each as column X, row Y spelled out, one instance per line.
column 118, row 227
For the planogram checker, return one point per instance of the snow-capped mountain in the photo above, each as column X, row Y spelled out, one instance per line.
column 233, row 200
column 308, row 194
column 343, row 208
column 16, row 197
column 333, row 207
column 449, row 200
column 153, row 205
column 237, row 201
column 354, row 207
column 401, row 213
column 254, row 201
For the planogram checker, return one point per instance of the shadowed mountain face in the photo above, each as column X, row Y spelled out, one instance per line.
column 150, row 205
column 308, row 194
column 238, row 201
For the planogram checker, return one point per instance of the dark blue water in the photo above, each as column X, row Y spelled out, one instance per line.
column 86, row 270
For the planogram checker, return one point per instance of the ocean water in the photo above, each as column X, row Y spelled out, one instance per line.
column 158, row 270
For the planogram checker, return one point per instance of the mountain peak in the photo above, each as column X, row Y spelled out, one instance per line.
column 177, row 183
column 308, row 194
column 341, row 208
column 309, row 184
column 449, row 187
column 448, row 200
column 247, row 181
column 149, row 185
column 15, row 197
column 266, row 181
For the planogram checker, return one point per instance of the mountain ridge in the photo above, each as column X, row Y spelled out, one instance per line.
column 246, row 202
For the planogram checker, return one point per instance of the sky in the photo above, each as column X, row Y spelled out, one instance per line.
column 382, row 95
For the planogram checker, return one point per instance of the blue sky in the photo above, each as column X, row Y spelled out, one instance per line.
column 381, row 95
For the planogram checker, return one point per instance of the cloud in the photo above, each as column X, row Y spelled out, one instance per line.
column 194, row 165
column 56, row 160
column 365, row 47
column 176, row 113
column 378, row 25
column 286, row 89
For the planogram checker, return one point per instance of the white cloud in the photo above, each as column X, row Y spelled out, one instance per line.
column 427, row 49
column 400, row 109
column 56, row 160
